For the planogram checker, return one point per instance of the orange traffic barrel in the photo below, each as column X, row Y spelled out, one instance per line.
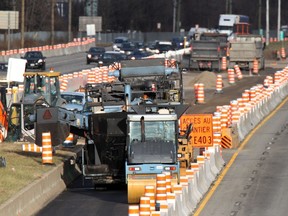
column 219, row 84
column 46, row 148
column 255, row 66
column 133, row 210
column 238, row 72
column 231, row 76
column 69, row 141
column 200, row 93
column 145, row 205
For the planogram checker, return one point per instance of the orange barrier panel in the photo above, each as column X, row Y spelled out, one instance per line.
column 200, row 93
column 31, row 148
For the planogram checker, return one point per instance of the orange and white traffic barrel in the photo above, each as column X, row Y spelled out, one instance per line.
column 200, row 93
column 219, row 84
column 238, row 72
column 144, row 205
column 231, row 76
column 255, row 66
column 69, row 141
column 133, row 210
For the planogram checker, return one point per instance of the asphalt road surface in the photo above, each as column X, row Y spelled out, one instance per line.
column 256, row 183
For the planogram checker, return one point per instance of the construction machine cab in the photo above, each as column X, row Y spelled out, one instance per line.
column 42, row 86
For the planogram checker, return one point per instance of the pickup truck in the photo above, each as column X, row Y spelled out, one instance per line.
column 207, row 51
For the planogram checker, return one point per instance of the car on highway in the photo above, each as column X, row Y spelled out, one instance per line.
column 35, row 60
column 160, row 46
column 75, row 101
column 118, row 41
column 111, row 57
column 127, row 48
column 139, row 54
column 93, row 54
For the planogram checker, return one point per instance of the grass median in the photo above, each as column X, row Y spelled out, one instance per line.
column 22, row 168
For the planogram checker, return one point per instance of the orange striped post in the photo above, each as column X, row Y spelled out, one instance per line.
column 133, row 210
column 283, row 53
column 46, row 148
column 224, row 63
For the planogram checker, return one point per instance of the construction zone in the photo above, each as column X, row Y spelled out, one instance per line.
column 144, row 125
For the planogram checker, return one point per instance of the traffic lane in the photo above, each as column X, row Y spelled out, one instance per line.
column 256, row 183
column 85, row 200
column 68, row 63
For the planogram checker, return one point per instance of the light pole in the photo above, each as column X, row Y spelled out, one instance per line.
column 279, row 20
column 267, row 22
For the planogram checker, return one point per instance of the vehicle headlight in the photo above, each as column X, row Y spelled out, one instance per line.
column 100, row 62
column 133, row 58
column 89, row 55
column 40, row 60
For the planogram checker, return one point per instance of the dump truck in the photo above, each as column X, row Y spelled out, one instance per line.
column 207, row 51
column 245, row 50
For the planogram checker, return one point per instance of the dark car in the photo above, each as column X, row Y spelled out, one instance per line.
column 3, row 67
column 35, row 60
column 94, row 53
column 127, row 48
column 139, row 54
column 111, row 57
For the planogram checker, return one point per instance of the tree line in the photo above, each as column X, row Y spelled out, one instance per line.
column 145, row 15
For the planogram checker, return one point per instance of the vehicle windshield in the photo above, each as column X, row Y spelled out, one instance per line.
column 154, row 130
column 96, row 49
column 73, row 99
column 153, row 143
column 33, row 55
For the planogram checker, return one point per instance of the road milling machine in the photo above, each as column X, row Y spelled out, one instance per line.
column 130, row 125
column 40, row 91
column 132, row 130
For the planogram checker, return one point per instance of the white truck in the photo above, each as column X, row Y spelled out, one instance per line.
column 227, row 22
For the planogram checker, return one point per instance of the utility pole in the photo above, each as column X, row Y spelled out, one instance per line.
column 70, row 21
column 178, row 16
column 227, row 7
column 230, row 8
column 52, row 21
column 267, row 22
column 279, row 20
column 22, row 23
column 174, row 14
column 259, row 15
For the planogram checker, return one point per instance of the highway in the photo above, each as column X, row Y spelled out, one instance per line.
column 254, row 182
